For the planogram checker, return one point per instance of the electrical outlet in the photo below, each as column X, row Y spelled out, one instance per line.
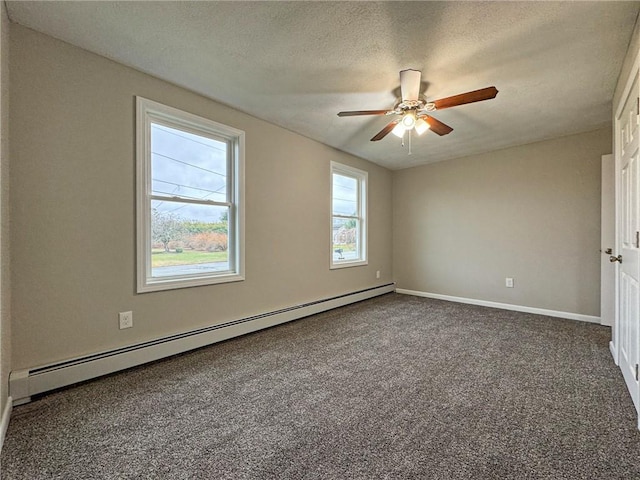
column 508, row 282
column 377, row 273
column 126, row 319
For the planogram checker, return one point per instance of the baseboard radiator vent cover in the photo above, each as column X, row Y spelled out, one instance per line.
column 23, row 384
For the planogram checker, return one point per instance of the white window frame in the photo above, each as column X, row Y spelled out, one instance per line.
column 362, row 178
column 148, row 112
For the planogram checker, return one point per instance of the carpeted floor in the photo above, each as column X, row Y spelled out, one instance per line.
column 396, row 387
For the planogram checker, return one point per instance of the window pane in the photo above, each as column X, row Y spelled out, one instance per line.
column 345, row 239
column 345, row 195
column 187, row 165
column 188, row 239
column 188, row 233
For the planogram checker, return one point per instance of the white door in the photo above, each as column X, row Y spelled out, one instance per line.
column 628, row 321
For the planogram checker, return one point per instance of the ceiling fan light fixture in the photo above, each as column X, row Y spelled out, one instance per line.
column 421, row 126
column 408, row 120
column 399, row 130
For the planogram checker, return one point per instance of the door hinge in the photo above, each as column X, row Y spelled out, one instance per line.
column 637, row 372
column 637, row 239
column 638, row 106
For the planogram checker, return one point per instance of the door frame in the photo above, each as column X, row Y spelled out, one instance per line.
column 615, row 340
column 607, row 240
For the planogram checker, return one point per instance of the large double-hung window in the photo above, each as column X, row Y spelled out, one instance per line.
column 348, row 216
column 189, row 199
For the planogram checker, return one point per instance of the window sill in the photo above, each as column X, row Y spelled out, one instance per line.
column 360, row 263
column 173, row 283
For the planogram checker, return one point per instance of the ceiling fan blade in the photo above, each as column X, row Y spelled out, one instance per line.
column 437, row 126
column 410, row 84
column 385, row 131
column 362, row 112
column 469, row 97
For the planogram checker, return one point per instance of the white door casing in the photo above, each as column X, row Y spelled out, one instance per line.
column 627, row 328
column 607, row 243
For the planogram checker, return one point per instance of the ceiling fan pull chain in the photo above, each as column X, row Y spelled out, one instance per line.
column 409, row 143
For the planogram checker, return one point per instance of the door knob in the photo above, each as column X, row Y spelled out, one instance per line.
column 613, row 259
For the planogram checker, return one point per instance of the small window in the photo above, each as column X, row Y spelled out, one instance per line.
column 348, row 216
column 189, row 191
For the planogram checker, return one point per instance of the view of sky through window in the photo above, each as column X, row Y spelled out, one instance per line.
column 345, row 195
column 188, row 166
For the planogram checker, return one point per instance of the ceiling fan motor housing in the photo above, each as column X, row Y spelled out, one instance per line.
column 410, row 84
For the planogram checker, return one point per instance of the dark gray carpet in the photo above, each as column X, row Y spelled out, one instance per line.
column 395, row 387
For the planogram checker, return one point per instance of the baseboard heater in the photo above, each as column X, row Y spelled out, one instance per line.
column 23, row 384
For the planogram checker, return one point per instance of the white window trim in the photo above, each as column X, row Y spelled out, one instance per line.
column 363, row 206
column 146, row 112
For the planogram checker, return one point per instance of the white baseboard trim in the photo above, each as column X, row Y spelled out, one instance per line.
column 614, row 352
column 25, row 383
column 4, row 422
column 504, row 306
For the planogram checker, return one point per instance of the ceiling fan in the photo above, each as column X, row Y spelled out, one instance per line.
column 413, row 110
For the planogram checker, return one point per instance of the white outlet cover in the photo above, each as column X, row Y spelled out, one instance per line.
column 125, row 319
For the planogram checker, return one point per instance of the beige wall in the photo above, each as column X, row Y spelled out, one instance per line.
column 5, row 292
column 530, row 212
column 630, row 58
column 72, row 210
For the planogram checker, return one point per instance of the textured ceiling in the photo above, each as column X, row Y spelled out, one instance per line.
column 296, row 64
